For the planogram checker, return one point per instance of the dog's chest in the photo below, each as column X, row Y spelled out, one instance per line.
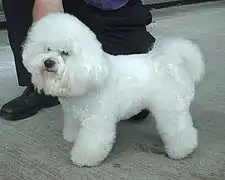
column 80, row 107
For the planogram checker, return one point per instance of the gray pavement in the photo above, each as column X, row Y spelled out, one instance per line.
column 157, row 1
column 33, row 149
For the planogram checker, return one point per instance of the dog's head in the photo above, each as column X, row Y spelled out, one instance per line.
column 63, row 56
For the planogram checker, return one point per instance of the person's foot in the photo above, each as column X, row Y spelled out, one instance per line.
column 30, row 102
column 140, row 116
column 27, row 105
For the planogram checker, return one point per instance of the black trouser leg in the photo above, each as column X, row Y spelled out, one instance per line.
column 18, row 19
column 120, row 32
column 123, row 31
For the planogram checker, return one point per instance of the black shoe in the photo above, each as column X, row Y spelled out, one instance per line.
column 140, row 116
column 27, row 105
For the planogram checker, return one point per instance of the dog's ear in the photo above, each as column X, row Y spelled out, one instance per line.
column 93, row 61
column 96, row 68
column 26, row 52
column 29, row 53
column 85, row 72
column 98, row 72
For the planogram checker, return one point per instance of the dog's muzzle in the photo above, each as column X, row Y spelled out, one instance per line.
column 49, row 65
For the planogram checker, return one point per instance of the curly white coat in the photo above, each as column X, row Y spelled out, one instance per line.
column 97, row 89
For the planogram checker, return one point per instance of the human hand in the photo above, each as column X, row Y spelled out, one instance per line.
column 44, row 7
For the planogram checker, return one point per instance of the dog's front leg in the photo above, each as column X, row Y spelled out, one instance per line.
column 71, row 129
column 94, row 142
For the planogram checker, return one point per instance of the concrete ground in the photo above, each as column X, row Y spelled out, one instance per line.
column 33, row 149
column 157, row 1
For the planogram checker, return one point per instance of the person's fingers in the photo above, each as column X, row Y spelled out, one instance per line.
column 44, row 7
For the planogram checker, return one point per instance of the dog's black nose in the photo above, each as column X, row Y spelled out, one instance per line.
column 49, row 63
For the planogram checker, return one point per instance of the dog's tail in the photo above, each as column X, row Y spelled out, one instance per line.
column 181, row 52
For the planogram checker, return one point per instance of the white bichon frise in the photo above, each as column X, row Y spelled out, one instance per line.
column 97, row 90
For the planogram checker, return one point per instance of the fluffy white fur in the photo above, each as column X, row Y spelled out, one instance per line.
column 97, row 90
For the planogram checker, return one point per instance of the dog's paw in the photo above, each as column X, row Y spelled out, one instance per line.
column 85, row 158
column 183, row 145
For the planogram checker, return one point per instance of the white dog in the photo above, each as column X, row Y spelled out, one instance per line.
column 97, row 89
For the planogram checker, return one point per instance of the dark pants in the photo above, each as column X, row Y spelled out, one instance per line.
column 121, row 32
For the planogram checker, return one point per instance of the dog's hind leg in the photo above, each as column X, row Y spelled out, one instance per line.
column 94, row 141
column 174, row 123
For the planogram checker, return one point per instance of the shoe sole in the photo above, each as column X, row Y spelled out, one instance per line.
column 15, row 117
column 21, row 116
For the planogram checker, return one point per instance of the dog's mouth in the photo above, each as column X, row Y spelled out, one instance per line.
column 50, row 70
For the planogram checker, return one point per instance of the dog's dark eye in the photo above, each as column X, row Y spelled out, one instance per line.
column 64, row 53
column 48, row 49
